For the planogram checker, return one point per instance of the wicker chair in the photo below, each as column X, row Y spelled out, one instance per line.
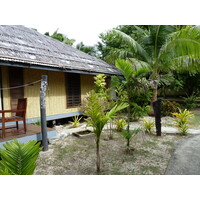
column 20, row 115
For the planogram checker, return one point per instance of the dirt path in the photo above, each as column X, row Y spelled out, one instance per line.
column 186, row 158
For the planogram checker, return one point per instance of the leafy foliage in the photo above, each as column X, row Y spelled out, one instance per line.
column 148, row 125
column 96, row 108
column 191, row 101
column 76, row 121
column 19, row 158
column 61, row 37
column 38, row 123
column 182, row 119
column 128, row 134
column 91, row 50
column 133, row 89
column 161, row 47
column 138, row 111
column 100, row 83
column 120, row 124
column 169, row 107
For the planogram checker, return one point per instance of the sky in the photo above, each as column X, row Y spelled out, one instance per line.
column 84, row 20
column 86, row 33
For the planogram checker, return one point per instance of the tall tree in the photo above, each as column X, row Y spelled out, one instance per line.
column 129, row 93
column 91, row 50
column 161, row 48
column 61, row 37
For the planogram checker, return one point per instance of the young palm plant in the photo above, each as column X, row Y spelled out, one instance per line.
column 95, row 109
column 162, row 48
column 134, row 82
column 19, row 158
column 128, row 134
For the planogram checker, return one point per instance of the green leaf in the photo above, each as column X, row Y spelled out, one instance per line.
column 19, row 158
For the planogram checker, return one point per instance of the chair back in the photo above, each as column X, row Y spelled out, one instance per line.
column 21, row 105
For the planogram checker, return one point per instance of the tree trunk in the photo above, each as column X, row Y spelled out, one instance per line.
column 128, row 142
column 154, row 98
column 129, row 113
column 98, row 155
column 155, row 94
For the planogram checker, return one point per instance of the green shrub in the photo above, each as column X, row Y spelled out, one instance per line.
column 191, row 101
column 148, row 126
column 19, row 158
column 138, row 111
column 120, row 124
column 182, row 119
column 38, row 123
column 128, row 134
column 76, row 121
column 169, row 107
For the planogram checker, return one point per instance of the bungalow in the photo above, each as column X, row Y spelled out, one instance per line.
column 26, row 55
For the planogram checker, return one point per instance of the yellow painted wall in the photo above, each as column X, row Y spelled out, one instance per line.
column 56, row 102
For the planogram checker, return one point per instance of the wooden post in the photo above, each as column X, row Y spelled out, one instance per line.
column 157, row 113
column 43, row 112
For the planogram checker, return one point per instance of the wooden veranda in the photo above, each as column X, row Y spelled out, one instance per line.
column 33, row 133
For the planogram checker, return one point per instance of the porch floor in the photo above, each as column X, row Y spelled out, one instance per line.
column 12, row 132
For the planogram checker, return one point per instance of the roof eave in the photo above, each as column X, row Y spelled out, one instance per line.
column 49, row 68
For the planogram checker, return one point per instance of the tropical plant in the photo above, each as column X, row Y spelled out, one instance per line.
column 148, row 125
column 76, row 121
column 120, row 124
column 138, row 111
column 182, row 119
column 104, row 93
column 100, row 84
column 38, row 123
column 91, row 50
column 95, row 109
column 128, row 134
column 132, row 87
column 19, row 158
column 169, row 107
column 161, row 48
column 61, row 37
column 191, row 101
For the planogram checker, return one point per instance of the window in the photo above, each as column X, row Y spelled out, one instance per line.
column 73, row 90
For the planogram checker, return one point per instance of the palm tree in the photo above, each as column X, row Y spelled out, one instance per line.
column 95, row 108
column 131, row 77
column 162, row 48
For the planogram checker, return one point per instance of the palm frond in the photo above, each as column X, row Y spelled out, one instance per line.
column 141, row 72
column 115, row 109
column 128, row 134
column 19, row 158
column 138, row 64
column 114, row 54
column 125, row 67
column 185, row 42
column 133, row 44
column 185, row 63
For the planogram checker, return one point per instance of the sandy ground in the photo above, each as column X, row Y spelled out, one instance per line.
column 72, row 155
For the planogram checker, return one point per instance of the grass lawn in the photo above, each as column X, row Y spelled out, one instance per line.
column 73, row 155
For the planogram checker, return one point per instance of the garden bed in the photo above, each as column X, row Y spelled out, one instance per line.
column 71, row 155
column 151, row 154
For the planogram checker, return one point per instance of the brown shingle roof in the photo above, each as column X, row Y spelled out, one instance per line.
column 25, row 45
